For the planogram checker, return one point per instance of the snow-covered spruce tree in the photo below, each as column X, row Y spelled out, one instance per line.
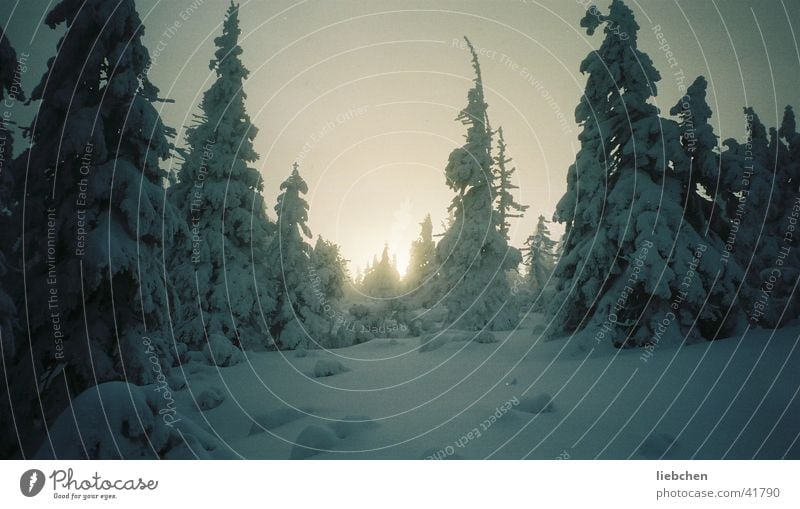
column 382, row 280
column 766, row 200
column 329, row 268
column 791, row 184
column 297, row 321
column 473, row 254
column 219, row 271
column 705, row 208
column 752, row 173
column 420, row 280
column 10, row 70
column 790, row 160
column 788, row 204
column 788, row 129
column 539, row 256
column 507, row 207
column 732, row 156
column 633, row 270
column 709, row 181
column 95, row 216
column 330, row 279
column 788, row 133
column 9, row 235
column 358, row 277
column 785, row 174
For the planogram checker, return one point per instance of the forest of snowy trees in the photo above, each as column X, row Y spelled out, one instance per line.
column 113, row 269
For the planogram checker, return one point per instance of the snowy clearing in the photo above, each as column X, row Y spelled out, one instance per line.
column 517, row 398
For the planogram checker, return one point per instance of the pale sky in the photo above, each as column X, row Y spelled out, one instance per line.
column 363, row 94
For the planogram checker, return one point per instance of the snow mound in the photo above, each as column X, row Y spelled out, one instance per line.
column 328, row 367
column 352, row 424
column 221, row 352
column 486, row 337
column 177, row 382
column 275, row 419
column 541, row 404
column 425, row 320
column 312, row 441
column 656, row 445
column 118, row 420
column 210, row 398
column 302, row 352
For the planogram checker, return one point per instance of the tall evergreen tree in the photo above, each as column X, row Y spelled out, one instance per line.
column 539, row 256
column 330, row 269
column 753, row 187
column 709, row 182
column 220, row 275
column 420, row 279
column 788, row 133
column 704, row 210
column 382, row 280
column 788, row 129
column 788, row 189
column 9, row 235
column 95, row 220
column 628, row 248
column 785, row 175
column 296, row 321
column 473, row 254
column 9, row 221
column 790, row 184
column 507, row 207
column 762, row 246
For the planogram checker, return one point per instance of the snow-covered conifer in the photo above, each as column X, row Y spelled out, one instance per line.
column 9, row 234
column 420, row 279
column 297, row 321
column 10, row 70
column 754, row 196
column 539, row 255
column 473, row 254
column 705, row 207
column 222, row 282
column 628, row 248
column 95, row 215
column 382, row 280
column 507, row 207
column 791, row 160
column 330, row 267
column 766, row 198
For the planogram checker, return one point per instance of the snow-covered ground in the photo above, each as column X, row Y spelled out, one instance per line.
column 521, row 397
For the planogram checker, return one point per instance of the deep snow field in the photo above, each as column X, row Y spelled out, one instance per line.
column 521, row 397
